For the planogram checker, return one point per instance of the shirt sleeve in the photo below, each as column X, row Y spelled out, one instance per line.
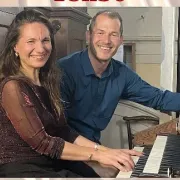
column 139, row 91
column 66, row 132
column 20, row 110
column 67, row 88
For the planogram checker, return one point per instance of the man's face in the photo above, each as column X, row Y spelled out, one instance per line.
column 105, row 38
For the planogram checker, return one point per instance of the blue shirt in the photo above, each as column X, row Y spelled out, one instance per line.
column 90, row 101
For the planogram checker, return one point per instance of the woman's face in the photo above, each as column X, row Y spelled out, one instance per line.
column 34, row 45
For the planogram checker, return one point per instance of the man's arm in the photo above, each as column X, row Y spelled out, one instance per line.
column 141, row 92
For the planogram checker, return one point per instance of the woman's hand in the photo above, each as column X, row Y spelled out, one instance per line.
column 119, row 158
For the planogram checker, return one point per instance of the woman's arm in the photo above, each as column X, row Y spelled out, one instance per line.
column 16, row 100
column 82, row 141
column 19, row 107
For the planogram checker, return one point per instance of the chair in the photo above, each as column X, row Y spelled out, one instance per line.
column 129, row 120
column 116, row 133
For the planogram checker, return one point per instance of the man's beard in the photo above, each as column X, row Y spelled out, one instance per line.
column 94, row 53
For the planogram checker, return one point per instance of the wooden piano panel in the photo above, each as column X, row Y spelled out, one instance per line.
column 148, row 136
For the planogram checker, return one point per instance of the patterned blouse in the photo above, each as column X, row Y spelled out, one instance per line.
column 29, row 125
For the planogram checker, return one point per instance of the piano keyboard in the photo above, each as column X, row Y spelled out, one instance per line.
column 171, row 156
column 165, row 153
column 155, row 157
column 135, row 159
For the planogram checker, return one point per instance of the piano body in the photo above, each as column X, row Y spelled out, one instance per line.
column 160, row 160
column 160, row 153
column 154, row 159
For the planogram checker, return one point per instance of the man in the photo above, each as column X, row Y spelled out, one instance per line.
column 93, row 82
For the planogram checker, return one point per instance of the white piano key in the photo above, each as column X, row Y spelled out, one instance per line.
column 155, row 157
column 135, row 159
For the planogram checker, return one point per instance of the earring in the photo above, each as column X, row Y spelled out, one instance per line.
column 16, row 54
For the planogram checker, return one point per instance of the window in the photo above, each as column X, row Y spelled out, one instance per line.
column 129, row 55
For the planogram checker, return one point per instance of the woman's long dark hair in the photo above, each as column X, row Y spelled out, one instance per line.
column 10, row 65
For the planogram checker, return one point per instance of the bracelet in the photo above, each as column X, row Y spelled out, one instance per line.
column 96, row 146
column 90, row 157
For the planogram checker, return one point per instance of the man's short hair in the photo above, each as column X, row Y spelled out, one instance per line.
column 110, row 14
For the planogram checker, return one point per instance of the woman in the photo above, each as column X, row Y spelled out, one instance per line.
column 35, row 139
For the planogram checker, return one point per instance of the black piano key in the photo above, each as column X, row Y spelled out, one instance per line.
column 170, row 159
column 141, row 162
column 171, row 156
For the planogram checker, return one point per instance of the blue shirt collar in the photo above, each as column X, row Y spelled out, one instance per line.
column 87, row 66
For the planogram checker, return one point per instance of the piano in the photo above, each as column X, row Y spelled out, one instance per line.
column 158, row 160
